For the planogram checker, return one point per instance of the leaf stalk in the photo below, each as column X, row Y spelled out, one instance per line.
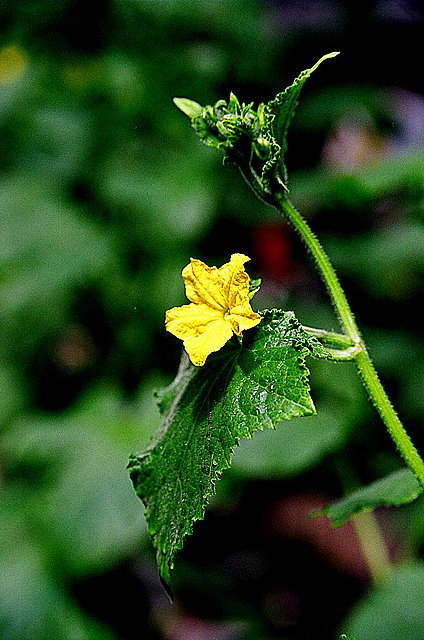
column 338, row 345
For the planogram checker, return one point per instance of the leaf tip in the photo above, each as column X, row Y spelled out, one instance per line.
column 333, row 54
column 166, row 583
column 327, row 56
column 189, row 107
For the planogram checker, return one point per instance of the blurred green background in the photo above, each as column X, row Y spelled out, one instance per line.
column 105, row 193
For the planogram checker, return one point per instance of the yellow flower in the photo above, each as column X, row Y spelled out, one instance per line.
column 219, row 306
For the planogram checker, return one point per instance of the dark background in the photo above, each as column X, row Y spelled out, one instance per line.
column 105, row 193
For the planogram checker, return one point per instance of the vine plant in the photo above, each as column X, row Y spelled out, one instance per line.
column 243, row 370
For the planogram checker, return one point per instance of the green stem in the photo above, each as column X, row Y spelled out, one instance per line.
column 363, row 362
column 322, row 261
column 330, row 338
column 373, row 547
column 389, row 416
column 339, row 346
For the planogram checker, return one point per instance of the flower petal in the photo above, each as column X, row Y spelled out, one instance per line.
column 212, row 339
column 190, row 320
column 234, row 281
column 220, row 288
column 202, row 329
column 243, row 317
column 203, row 285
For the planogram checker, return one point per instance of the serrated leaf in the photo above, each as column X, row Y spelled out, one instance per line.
column 400, row 487
column 279, row 114
column 206, row 410
column 284, row 105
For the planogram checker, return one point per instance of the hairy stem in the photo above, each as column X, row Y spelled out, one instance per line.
column 338, row 345
column 325, row 268
column 363, row 362
column 389, row 416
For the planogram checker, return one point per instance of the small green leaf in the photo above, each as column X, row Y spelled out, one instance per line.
column 191, row 108
column 254, row 286
column 278, row 116
column 206, row 410
column 283, row 107
column 400, row 487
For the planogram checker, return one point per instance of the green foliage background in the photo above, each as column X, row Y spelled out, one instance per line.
column 105, row 193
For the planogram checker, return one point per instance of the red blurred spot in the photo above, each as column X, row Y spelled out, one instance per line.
column 340, row 547
column 273, row 252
